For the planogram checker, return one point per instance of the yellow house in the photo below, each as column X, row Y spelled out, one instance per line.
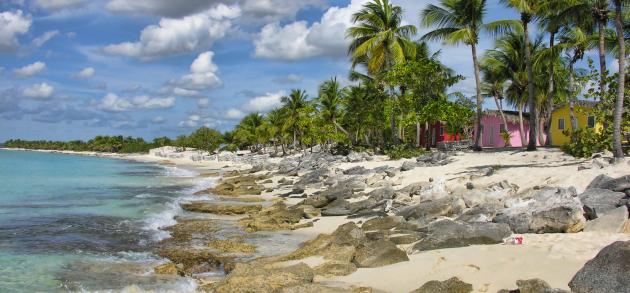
column 561, row 121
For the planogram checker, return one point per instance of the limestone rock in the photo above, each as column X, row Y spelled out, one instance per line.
column 597, row 200
column 452, row 285
column 232, row 246
column 255, row 278
column 429, row 209
column 607, row 272
column 378, row 253
column 612, row 221
column 552, row 210
column 448, row 234
column 384, row 223
column 220, row 208
column 166, row 269
column 335, row 268
column 408, row 166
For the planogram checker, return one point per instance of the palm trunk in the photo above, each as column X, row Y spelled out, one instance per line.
column 617, row 149
column 521, row 124
column 500, row 108
column 533, row 115
column 550, row 92
column 477, row 146
column 601, row 23
column 294, row 140
column 572, row 99
column 427, row 136
column 418, row 134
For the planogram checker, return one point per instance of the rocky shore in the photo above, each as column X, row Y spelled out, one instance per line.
column 317, row 222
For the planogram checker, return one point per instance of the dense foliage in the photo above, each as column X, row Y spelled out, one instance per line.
column 203, row 138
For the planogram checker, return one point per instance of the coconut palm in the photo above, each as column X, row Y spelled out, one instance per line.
column 379, row 40
column 293, row 105
column 506, row 61
column 596, row 13
column 331, row 96
column 529, row 10
column 461, row 21
column 617, row 149
column 249, row 131
column 493, row 86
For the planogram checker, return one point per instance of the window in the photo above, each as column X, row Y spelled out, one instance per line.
column 502, row 128
column 591, row 121
column 441, row 130
column 561, row 124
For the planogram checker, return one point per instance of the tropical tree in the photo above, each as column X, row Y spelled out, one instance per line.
column 380, row 40
column 493, row 85
column 293, row 105
column 330, row 102
column 249, row 131
column 529, row 9
column 617, row 149
column 595, row 13
column 457, row 22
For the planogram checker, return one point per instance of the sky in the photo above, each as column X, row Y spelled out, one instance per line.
column 73, row 69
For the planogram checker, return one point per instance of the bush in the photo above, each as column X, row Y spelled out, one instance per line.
column 404, row 151
column 506, row 136
column 585, row 142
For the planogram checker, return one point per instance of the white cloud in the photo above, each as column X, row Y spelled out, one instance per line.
column 289, row 79
column 45, row 37
column 30, row 70
column 184, row 92
column 191, row 122
column 86, row 72
column 297, row 40
column 203, row 103
column 58, row 4
column 38, row 91
column 275, row 10
column 12, row 24
column 167, row 8
column 113, row 103
column 158, row 120
column 203, row 74
column 264, row 103
column 175, row 36
column 234, row 114
column 145, row 102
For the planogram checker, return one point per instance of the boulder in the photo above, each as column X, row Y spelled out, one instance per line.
column 257, row 278
column 357, row 170
column 166, row 269
column 339, row 207
column 428, row 210
column 382, row 193
column 533, row 286
column 220, row 208
column 193, row 261
column 354, row 157
column 335, row 268
column 452, row 285
column 378, row 253
column 348, row 234
column 597, row 200
column 609, row 271
column 551, row 210
column 408, row 166
column 612, row 221
column 448, row 234
column 318, row 200
column 414, row 188
column 620, row 184
column 599, row 181
column 481, row 213
column 384, row 223
column 274, row 217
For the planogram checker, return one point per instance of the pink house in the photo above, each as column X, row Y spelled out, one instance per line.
column 492, row 126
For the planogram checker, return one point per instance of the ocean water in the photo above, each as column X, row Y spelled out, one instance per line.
column 86, row 224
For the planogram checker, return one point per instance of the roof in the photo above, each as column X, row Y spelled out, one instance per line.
column 510, row 116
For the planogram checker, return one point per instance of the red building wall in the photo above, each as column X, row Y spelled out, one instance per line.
column 438, row 133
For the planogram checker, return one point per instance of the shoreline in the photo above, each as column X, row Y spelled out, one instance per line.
column 553, row 257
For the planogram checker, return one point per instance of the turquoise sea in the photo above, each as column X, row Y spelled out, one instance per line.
column 85, row 224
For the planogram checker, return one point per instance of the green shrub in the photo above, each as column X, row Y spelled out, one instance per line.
column 506, row 136
column 404, row 151
column 585, row 142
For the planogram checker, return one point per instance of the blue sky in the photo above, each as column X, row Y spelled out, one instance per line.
column 72, row 69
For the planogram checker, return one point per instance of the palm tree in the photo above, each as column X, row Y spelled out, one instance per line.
column 331, row 96
column 249, row 131
column 493, row 85
column 275, row 121
column 506, row 62
column 293, row 105
column 596, row 12
column 617, row 149
column 576, row 42
column 529, row 9
column 380, row 40
column 461, row 21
